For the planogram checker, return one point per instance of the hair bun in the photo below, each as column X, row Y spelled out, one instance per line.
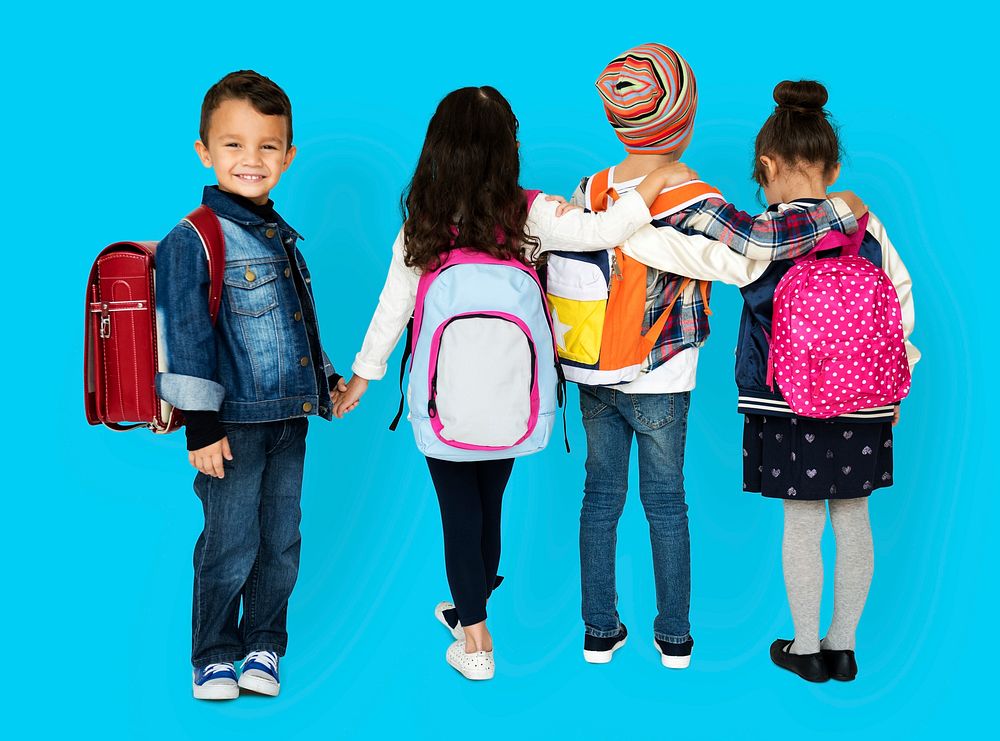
column 804, row 96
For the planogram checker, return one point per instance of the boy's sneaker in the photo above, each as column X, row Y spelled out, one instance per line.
column 477, row 665
column 215, row 682
column 259, row 673
column 447, row 615
column 674, row 655
column 601, row 650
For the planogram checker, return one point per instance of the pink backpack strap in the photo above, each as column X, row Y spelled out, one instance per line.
column 849, row 244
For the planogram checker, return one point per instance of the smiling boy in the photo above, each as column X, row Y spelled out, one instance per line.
column 246, row 385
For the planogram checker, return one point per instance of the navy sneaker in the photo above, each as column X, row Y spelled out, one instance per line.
column 259, row 673
column 675, row 655
column 601, row 650
column 215, row 682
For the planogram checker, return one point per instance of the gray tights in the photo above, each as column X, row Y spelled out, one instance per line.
column 803, row 565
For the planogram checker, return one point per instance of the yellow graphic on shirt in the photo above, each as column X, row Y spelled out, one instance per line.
column 579, row 327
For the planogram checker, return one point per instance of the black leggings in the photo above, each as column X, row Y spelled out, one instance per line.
column 470, row 495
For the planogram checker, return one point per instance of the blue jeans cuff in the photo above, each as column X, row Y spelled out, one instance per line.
column 591, row 631
column 671, row 639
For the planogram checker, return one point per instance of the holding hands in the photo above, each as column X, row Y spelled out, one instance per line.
column 346, row 397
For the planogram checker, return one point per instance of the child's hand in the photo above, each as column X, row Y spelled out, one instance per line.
column 663, row 177
column 563, row 207
column 675, row 173
column 895, row 416
column 336, row 392
column 208, row 460
column 857, row 206
column 347, row 400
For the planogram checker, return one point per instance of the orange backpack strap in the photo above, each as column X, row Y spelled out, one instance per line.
column 598, row 191
column 679, row 197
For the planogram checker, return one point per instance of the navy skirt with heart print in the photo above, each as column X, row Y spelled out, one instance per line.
column 802, row 458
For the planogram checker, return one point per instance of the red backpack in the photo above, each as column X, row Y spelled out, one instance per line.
column 122, row 353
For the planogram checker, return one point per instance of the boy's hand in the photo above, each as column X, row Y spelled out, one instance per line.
column 341, row 388
column 347, row 400
column 208, row 460
column 857, row 206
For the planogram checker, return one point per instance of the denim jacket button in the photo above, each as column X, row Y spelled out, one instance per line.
column 298, row 316
column 270, row 233
column 307, row 407
column 288, row 272
column 303, row 361
column 250, row 275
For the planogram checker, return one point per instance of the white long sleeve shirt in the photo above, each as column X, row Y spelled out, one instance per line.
column 574, row 231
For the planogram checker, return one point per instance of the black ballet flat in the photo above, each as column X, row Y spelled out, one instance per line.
column 840, row 665
column 808, row 666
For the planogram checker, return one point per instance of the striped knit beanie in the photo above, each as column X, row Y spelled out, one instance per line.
column 650, row 98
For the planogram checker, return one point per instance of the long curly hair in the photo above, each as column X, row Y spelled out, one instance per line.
column 465, row 192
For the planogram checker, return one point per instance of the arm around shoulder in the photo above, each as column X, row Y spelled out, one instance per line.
column 584, row 231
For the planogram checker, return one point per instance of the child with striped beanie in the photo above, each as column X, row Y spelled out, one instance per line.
column 650, row 98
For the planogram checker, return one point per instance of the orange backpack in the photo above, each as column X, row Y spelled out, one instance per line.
column 598, row 299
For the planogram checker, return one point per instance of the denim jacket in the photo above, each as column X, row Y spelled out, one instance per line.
column 262, row 361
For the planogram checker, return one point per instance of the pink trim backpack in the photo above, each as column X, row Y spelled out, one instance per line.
column 836, row 343
column 484, row 375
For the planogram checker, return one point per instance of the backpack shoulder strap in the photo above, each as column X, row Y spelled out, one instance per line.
column 206, row 225
column 849, row 244
column 407, row 349
column 599, row 191
column 530, row 196
column 679, row 197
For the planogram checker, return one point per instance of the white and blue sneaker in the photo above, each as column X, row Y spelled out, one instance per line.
column 259, row 673
column 215, row 682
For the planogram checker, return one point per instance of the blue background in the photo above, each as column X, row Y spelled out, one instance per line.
column 100, row 113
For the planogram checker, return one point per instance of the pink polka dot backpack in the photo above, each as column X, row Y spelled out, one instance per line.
column 837, row 333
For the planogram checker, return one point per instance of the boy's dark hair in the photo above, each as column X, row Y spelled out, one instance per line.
column 799, row 130
column 465, row 191
column 259, row 91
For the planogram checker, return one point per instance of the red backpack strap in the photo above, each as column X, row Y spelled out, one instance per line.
column 206, row 225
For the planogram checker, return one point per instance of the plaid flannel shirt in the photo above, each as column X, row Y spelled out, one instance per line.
column 770, row 236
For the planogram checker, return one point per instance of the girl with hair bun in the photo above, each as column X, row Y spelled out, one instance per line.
column 804, row 459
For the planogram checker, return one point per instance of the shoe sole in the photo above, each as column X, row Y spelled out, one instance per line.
column 457, row 633
column 603, row 657
column 673, row 662
column 474, row 675
column 215, row 691
column 842, row 677
column 258, row 685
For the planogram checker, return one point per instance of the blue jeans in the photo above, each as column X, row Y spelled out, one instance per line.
column 249, row 549
column 659, row 422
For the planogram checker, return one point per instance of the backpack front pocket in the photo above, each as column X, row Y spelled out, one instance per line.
column 483, row 391
column 577, row 287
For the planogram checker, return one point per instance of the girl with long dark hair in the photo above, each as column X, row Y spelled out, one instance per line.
column 465, row 191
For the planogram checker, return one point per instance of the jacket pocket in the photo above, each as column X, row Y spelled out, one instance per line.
column 251, row 289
